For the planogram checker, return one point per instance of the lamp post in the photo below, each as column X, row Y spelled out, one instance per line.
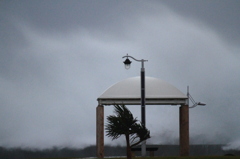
column 127, row 63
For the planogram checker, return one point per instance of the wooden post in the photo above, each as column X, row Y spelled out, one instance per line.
column 100, row 131
column 151, row 153
column 184, row 130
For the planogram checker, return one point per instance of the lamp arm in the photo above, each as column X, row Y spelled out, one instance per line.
column 194, row 105
column 134, row 58
column 191, row 98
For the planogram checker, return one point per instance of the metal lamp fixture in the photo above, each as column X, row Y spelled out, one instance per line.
column 127, row 63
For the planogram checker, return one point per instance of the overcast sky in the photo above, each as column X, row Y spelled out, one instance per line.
column 57, row 57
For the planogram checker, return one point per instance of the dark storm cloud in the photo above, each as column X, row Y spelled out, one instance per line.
column 220, row 15
column 54, row 16
column 57, row 57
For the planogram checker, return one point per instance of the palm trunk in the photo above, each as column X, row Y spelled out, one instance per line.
column 128, row 150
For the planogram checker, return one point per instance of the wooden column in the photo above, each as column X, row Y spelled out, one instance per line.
column 184, row 130
column 100, row 131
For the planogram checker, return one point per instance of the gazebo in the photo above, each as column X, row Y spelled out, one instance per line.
column 158, row 92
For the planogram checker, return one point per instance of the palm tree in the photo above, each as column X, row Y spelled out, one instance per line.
column 123, row 123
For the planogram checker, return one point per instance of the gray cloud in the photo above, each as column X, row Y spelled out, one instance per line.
column 221, row 16
column 57, row 57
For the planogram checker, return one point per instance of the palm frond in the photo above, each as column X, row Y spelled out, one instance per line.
column 123, row 123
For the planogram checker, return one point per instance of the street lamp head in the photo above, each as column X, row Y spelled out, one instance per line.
column 127, row 63
column 201, row 104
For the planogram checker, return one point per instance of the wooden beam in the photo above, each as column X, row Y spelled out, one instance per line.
column 184, row 130
column 100, row 131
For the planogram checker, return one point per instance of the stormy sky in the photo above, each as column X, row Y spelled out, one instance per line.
column 57, row 57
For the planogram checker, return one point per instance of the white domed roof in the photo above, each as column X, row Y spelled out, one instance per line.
column 129, row 90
